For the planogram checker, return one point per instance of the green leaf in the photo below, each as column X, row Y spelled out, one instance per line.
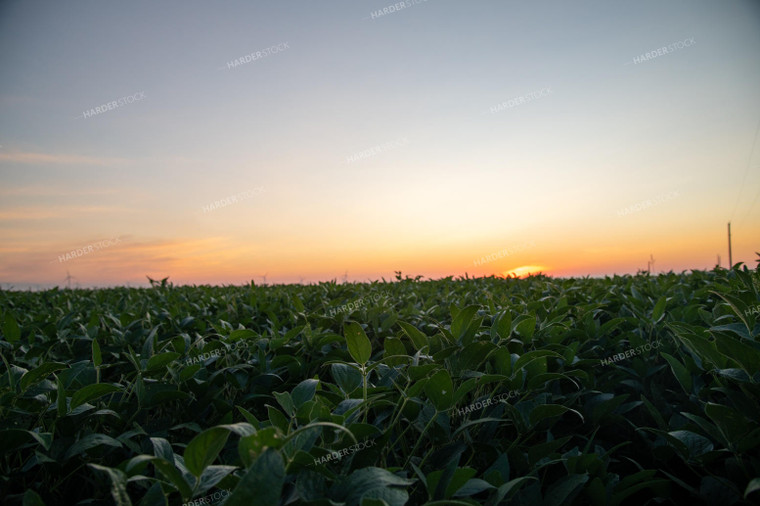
column 440, row 390
column 162, row 449
column 11, row 439
column 11, row 330
column 97, row 358
column 211, row 476
column 61, row 406
column 262, row 483
column 394, row 348
column 32, row 498
column 118, row 484
column 512, row 486
column 159, row 361
column 544, row 411
column 203, row 449
column 347, row 377
column 528, row 357
column 679, row 371
column 304, row 392
column 730, row 423
column 39, row 373
column 154, row 496
column 359, row 346
column 503, row 324
column 373, row 482
column 462, row 321
column 526, row 327
column 251, row 447
column 752, row 486
column 564, row 488
column 418, row 339
column 90, row 392
column 90, row 441
column 472, row 487
column 748, row 357
column 659, row 309
column 694, row 444
column 175, row 477
column 243, row 334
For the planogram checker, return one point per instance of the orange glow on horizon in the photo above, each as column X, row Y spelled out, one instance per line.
column 525, row 270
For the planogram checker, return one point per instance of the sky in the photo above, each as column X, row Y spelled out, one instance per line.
column 300, row 141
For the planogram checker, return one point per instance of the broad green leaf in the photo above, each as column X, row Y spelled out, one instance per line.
column 503, row 325
column 161, row 360
column 304, row 392
column 39, row 373
column 752, row 486
column 359, row 346
column 11, row 439
column 440, row 390
column 564, row 489
column 97, row 358
column 90, row 392
column 118, row 484
column 526, row 327
column 370, row 481
column 203, row 449
column 11, row 330
column 90, row 441
column 262, row 484
column 659, row 309
column 32, row 498
column 347, row 377
column 419, row 340
column 154, row 496
column 730, row 423
column 694, row 444
column 461, row 322
column 679, row 371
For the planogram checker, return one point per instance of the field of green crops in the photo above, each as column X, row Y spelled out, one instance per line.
column 539, row 391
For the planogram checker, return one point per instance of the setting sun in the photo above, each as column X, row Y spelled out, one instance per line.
column 525, row 270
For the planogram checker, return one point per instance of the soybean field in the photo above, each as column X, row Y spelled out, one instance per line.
column 631, row 389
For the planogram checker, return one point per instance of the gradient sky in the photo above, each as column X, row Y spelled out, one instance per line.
column 618, row 160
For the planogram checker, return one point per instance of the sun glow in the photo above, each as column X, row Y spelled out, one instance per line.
column 525, row 270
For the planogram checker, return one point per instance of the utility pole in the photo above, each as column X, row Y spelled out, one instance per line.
column 730, row 258
column 68, row 278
